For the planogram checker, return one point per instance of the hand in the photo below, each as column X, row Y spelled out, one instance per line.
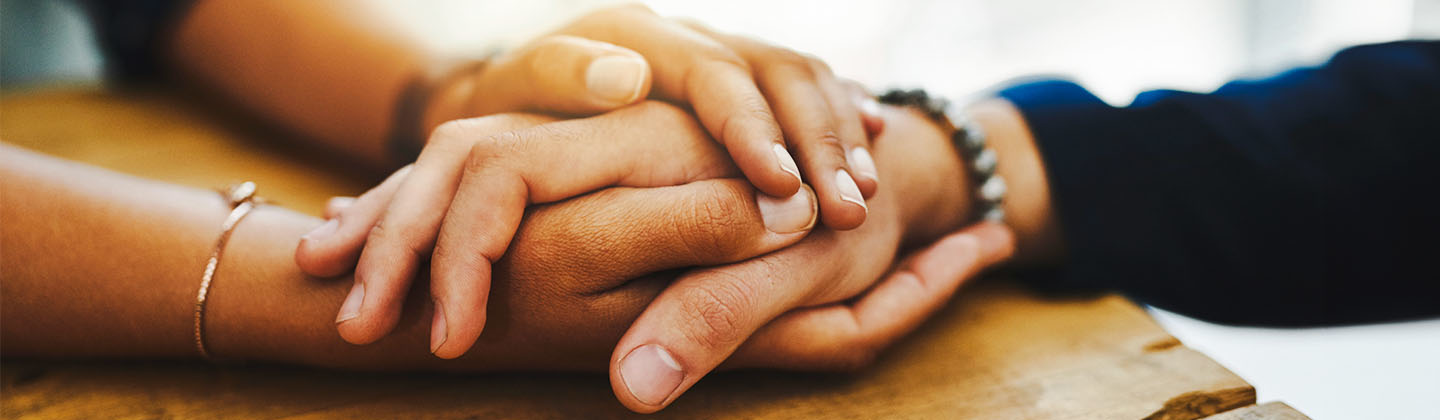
column 465, row 196
column 558, row 74
column 737, row 86
column 755, row 99
column 569, row 312
column 707, row 313
column 577, row 274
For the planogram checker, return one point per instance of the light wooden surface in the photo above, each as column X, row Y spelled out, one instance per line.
column 998, row 352
column 1268, row 411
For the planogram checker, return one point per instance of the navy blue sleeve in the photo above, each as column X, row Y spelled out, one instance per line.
column 1307, row 198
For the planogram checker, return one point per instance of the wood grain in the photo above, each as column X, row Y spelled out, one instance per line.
column 1267, row 411
column 998, row 351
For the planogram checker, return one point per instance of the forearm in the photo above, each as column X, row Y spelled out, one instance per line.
column 94, row 263
column 1027, row 206
column 327, row 69
column 98, row 264
column 102, row 265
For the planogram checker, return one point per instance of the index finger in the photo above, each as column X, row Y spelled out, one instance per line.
column 618, row 234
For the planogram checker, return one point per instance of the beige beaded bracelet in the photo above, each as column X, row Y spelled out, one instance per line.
column 242, row 199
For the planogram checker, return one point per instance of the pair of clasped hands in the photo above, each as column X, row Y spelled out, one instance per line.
column 639, row 206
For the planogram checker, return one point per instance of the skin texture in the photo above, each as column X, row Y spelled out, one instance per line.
column 297, row 64
column 476, row 177
column 560, row 301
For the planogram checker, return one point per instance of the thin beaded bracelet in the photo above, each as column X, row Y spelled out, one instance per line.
column 969, row 141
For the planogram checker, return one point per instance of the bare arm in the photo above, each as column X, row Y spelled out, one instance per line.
column 97, row 264
column 330, row 70
column 334, row 71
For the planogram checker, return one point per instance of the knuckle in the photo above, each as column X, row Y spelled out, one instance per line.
column 794, row 61
column 489, row 151
column 412, row 244
column 712, row 58
column 463, row 133
column 713, row 215
column 717, row 313
column 816, row 65
column 827, row 145
column 449, row 132
column 752, row 109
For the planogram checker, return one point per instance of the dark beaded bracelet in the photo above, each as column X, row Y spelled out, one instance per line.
column 969, row 141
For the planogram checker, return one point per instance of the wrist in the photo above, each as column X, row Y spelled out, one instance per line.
column 919, row 164
column 1027, row 206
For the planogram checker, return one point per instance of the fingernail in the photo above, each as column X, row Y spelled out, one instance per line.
column 339, row 203
column 351, row 308
column 863, row 164
column 322, row 232
column 848, row 190
column 869, row 106
column 437, row 329
column 616, row 78
column 787, row 163
column 651, row 374
column 785, row 215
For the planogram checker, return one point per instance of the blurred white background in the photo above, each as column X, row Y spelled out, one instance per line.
column 1114, row 47
column 1117, row 48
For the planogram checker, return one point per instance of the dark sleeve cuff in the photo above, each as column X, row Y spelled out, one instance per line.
column 1148, row 202
column 1065, row 120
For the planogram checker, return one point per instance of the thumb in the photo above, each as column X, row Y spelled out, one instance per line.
column 564, row 74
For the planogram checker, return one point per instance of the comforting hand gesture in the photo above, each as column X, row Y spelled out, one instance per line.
column 468, row 190
column 825, row 302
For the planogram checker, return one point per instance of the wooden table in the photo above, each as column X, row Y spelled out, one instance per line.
column 997, row 352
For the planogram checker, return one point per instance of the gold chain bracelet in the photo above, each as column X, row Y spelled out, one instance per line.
column 241, row 198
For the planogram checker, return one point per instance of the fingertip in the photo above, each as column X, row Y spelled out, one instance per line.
column 337, row 205
column 438, row 329
column 353, row 332
column 447, row 342
column 773, row 172
column 868, row 186
column 843, row 216
column 871, row 117
column 567, row 74
column 867, row 177
column 788, row 215
column 647, row 378
column 460, row 296
column 317, row 255
column 369, row 311
column 845, row 207
column 618, row 80
column 997, row 241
